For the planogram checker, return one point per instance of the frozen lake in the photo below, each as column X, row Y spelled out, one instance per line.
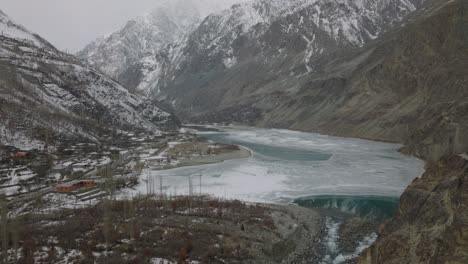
column 287, row 164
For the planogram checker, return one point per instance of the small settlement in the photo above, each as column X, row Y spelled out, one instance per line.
column 75, row 185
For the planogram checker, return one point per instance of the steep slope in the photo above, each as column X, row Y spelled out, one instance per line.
column 410, row 86
column 46, row 95
column 133, row 56
column 263, row 47
column 407, row 86
column 432, row 224
column 8, row 28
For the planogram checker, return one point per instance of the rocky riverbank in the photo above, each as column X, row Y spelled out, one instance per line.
column 432, row 223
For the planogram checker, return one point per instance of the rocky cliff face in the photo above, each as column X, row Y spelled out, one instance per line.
column 432, row 224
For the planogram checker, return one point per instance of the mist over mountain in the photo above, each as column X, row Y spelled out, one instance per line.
column 133, row 56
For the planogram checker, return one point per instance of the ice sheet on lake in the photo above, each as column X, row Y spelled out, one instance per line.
column 355, row 167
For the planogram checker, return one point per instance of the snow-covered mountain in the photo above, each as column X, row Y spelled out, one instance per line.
column 133, row 56
column 268, row 46
column 10, row 29
column 44, row 91
column 292, row 34
column 278, row 26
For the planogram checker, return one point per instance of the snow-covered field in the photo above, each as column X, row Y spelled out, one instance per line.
column 288, row 164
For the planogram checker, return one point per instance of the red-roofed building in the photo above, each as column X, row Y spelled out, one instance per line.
column 21, row 154
column 75, row 185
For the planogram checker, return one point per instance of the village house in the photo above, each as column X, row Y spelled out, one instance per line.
column 75, row 185
column 20, row 155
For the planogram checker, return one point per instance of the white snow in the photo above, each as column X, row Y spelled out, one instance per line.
column 18, row 139
column 363, row 245
column 229, row 62
column 213, row 31
column 331, row 241
column 160, row 261
column 333, row 255
column 356, row 167
column 61, row 85
column 58, row 201
column 10, row 29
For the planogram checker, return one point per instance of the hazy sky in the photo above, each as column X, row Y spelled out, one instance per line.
column 71, row 24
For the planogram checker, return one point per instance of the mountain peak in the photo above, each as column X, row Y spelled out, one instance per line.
column 13, row 30
column 183, row 36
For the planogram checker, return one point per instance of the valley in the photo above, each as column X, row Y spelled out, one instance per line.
column 253, row 131
column 285, row 167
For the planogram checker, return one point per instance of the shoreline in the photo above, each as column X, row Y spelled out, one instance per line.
column 402, row 149
column 302, row 238
column 242, row 153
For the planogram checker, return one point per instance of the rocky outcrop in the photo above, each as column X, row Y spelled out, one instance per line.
column 432, row 224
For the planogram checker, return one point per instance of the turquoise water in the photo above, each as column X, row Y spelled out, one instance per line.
column 286, row 165
column 371, row 206
column 279, row 153
column 356, row 177
column 364, row 206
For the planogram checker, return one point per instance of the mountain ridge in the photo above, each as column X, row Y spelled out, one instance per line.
column 133, row 55
column 64, row 98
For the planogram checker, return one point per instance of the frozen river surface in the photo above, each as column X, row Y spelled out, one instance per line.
column 287, row 164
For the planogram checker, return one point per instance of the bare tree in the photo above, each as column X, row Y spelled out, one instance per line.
column 107, row 217
column 4, row 227
column 14, row 229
